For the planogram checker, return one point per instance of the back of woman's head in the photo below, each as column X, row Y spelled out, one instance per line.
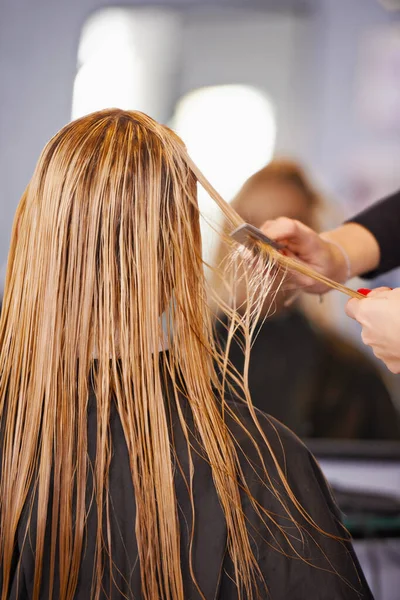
column 106, row 241
column 110, row 210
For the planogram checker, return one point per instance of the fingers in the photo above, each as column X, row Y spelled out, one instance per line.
column 283, row 229
column 379, row 317
column 380, row 291
column 354, row 305
column 393, row 366
column 309, row 247
column 352, row 308
column 297, row 238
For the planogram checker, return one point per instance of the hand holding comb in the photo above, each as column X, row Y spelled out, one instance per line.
column 246, row 233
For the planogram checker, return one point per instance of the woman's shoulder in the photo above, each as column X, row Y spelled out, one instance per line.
column 298, row 516
column 280, row 459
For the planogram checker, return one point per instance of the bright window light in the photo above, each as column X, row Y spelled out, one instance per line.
column 126, row 59
column 230, row 133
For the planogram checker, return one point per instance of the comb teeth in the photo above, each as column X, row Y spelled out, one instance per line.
column 242, row 234
column 246, row 232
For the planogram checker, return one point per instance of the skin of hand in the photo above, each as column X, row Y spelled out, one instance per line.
column 379, row 317
column 307, row 245
column 330, row 253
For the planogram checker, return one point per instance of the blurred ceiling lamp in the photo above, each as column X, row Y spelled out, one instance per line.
column 229, row 132
column 126, row 59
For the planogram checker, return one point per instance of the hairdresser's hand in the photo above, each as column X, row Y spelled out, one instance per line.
column 317, row 252
column 379, row 316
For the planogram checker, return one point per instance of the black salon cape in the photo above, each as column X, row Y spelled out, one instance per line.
column 286, row 578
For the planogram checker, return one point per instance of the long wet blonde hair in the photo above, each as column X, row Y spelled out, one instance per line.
column 106, row 239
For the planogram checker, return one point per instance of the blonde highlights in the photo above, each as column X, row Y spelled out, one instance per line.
column 106, row 239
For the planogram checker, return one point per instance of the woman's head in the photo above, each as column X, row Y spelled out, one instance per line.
column 281, row 189
column 109, row 213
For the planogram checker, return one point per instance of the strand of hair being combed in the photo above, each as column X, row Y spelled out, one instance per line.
column 286, row 262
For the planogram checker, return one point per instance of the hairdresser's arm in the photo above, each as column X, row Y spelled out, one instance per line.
column 370, row 241
column 383, row 221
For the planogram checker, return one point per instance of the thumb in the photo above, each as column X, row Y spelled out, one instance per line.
column 352, row 307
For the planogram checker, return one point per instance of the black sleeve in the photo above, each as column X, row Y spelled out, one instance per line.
column 313, row 559
column 383, row 221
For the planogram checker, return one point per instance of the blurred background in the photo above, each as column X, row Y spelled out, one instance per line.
column 303, row 98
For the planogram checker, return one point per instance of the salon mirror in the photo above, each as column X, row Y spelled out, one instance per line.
column 310, row 84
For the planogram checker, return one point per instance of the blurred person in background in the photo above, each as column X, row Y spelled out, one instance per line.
column 307, row 376
column 366, row 246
